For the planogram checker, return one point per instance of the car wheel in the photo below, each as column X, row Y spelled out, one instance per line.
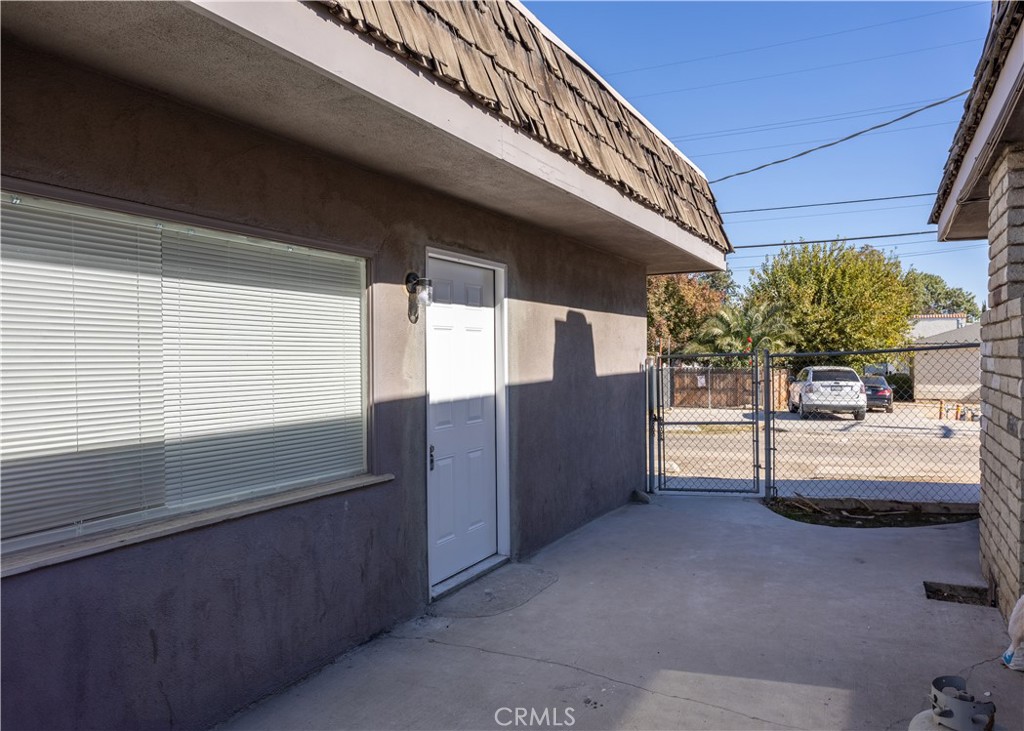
column 888, row 409
column 803, row 414
column 793, row 408
column 859, row 415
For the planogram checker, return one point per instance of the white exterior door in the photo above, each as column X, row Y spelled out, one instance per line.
column 461, row 390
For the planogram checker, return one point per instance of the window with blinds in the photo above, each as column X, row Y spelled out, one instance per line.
column 150, row 368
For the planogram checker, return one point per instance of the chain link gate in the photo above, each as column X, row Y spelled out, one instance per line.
column 705, row 434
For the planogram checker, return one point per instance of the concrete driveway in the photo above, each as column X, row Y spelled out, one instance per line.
column 689, row 613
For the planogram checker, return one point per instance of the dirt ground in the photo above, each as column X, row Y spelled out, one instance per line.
column 862, row 514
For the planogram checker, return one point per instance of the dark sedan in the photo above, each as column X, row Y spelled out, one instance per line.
column 879, row 393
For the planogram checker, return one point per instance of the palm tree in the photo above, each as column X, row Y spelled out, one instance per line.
column 745, row 328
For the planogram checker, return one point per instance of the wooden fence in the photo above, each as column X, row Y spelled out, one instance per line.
column 720, row 388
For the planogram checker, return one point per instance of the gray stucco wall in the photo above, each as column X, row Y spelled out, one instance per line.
column 181, row 631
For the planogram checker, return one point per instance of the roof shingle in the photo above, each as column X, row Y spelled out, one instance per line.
column 491, row 52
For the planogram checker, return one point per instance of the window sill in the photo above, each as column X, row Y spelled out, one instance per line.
column 29, row 559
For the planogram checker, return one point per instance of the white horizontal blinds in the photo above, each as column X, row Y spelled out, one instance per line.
column 80, row 378
column 318, row 364
column 149, row 368
column 263, row 363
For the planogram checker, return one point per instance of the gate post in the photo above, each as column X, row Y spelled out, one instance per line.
column 652, row 372
column 755, row 397
column 769, row 406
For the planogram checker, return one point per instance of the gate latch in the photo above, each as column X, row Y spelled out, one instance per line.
column 955, row 708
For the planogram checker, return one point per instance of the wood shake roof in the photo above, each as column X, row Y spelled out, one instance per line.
column 491, row 52
column 1006, row 21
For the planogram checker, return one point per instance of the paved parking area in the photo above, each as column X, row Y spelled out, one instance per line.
column 910, row 454
column 690, row 613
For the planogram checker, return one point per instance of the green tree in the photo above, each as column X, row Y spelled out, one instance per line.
column 837, row 297
column 721, row 282
column 750, row 326
column 676, row 305
column 933, row 296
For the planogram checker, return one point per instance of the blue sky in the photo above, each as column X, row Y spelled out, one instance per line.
column 708, row 89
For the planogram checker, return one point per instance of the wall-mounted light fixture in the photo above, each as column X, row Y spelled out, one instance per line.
column 421, row 287
column 421, row 294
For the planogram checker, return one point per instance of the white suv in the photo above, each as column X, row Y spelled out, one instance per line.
column 834, row 389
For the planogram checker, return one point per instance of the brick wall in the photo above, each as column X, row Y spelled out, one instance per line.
column 1002, row 335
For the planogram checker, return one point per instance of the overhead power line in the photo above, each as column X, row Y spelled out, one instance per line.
column 803, row 71
column 843, row 139
column 888, row 246
column 810, row 142
column 830, row 203
column 826, row 214
column 901, row 257
column 839, row 238
column 944, row 251
column 782, row 43
column 801, row 122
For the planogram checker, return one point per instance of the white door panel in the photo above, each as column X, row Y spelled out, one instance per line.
column 461, row 476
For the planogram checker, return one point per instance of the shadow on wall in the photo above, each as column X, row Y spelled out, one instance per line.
column 574, row 361
column 576, row 436
column 176, row 473
column 140, row 636
column 577, row 441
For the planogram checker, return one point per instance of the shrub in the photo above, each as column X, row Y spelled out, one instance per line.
column 902, row 386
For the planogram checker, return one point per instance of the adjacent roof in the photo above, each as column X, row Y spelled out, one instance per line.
column 941, row 316
column 1006, row 21
column 970, row 333
column 494, row 53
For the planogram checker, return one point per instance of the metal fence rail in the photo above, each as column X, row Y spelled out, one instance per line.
column 719, row 420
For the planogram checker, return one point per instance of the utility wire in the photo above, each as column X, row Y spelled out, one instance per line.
column 838, row 238
column 801, row 122
column 831, row 203
column 889, row 246
column 843, row 139
column 901, row 257
column 693, row 155
column 944, row 251
column 803, row 71
column 857, row 212
column 782, row 43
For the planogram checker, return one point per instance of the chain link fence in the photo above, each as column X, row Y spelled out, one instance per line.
column 895, row 425
column 885, row 425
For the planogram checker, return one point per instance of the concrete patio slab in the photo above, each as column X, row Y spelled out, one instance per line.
column 689, row 613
